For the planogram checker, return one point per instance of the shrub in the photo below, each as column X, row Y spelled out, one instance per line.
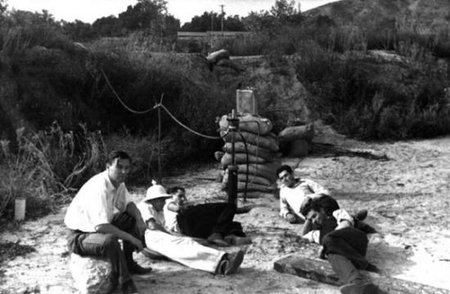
column 48, row 166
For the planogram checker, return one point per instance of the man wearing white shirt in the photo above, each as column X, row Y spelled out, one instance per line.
column 293, row 193
column 100, row 215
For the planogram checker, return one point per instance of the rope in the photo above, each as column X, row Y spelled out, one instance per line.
column 120, row 100
column 186, row 127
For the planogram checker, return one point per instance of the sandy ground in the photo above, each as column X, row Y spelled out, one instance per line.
column 407, row 197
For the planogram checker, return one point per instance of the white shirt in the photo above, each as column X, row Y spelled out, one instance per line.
column 148, row 212
column 171, row 218
column 95, row 204
column 291, row 199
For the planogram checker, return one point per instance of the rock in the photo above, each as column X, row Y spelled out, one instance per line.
column 91, row 275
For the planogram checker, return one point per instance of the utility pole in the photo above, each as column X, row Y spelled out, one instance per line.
column 212, row 21
column 222, row 14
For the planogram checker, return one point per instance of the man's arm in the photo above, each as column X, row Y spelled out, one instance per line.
column 111, row 229
column 153, row 225
column 284, row 206
column 134, row 212
column 317, row 189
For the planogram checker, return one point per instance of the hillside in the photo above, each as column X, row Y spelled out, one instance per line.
column 421, row 16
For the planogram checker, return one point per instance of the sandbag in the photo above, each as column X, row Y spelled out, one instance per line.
column 255, row 194
column 242, row 177
column 297, row 148
column 289, row 134
column 241, row 186
column 240, row 158
column 215, row 56
column 267, row 170
column 267, row 141
column 249, row 123
column 251, row 149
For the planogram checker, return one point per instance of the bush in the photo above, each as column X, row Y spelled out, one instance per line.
column 48, row 166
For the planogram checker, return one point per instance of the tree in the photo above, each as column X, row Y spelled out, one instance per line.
column 211, row 21
column 283, row 9
column 3, row 6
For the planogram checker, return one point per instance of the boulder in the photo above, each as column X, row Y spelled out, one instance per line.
column 91, row 274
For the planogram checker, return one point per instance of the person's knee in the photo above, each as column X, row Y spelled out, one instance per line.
column 111, row 243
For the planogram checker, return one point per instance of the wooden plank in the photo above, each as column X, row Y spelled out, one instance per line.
column 321, row 271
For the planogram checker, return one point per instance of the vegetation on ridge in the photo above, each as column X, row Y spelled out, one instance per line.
column 59, row 88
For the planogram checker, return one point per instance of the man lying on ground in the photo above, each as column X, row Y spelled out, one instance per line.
column 343, row 245
column 294, row 192
column 181, row 248
column 94, row 228
column 211, row 221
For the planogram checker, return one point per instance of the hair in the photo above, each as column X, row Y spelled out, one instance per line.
column 173, row 190
column 311, row 204
column 117, row 154
column 284, row 168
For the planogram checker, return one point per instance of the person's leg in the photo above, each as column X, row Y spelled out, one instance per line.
column 127, row 223
column 345, row 269
column 348, row 242
column 103, row 245
column 201, row 220
column 184, row 250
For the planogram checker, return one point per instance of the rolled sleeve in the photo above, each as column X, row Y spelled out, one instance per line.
column 342, row 215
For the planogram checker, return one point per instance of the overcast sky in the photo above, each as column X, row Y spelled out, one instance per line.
column 184, row 10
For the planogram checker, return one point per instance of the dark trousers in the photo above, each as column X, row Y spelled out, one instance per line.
column 107, row 245
column 346, row 249
column 202, row 220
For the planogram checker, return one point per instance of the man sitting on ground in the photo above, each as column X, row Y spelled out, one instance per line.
column 211, row 221
column 295, row 192
column 181, row 248
column 94, row 228
column 343, row 245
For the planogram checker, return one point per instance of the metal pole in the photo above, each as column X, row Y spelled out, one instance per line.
column 233, row 126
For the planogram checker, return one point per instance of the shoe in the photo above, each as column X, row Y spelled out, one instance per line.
column 360, row 225
column 129, row 288
column 236, row 240
column 361, row 214
column 234, row 261
column 135, row 268
column 367, row 288
column 217, row 239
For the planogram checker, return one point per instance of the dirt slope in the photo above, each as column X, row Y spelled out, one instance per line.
column 407, row 197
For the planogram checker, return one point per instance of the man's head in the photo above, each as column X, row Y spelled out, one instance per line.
column 156, row 195
column 286, row 175
column 118, row 166
column 312, row 211
column 178, row 195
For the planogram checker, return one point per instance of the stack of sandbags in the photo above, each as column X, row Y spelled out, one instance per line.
column 256, row 154
column 295, row 140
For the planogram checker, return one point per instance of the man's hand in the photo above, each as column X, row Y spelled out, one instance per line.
column 137, row 243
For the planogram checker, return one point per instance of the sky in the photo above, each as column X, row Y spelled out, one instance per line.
column 90, row 10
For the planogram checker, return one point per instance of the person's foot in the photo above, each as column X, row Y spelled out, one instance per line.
column 361, row 214
column 236, row 240
column 129, row 288
column 234, row 261
column 217, row 239
column 135, row 268
column 360, row 225
column 366, row 288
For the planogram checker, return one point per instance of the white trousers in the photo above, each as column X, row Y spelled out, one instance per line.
column 184, row 250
